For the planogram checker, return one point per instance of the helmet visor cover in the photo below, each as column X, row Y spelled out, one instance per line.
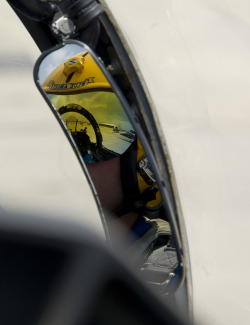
column 98, row 123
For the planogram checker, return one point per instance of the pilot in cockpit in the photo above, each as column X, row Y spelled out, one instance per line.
column 117, row 164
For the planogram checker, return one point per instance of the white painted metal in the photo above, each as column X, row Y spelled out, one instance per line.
column 38, row 169
column 195, row 59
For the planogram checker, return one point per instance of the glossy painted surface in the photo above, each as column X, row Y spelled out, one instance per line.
column 195, row 59
column 38, row 170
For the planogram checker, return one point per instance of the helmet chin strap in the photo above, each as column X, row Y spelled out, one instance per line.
column 129, row 182
column 134, row 200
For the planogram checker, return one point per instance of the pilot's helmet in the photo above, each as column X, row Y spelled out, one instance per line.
column 90, row 109
column 100, row 127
